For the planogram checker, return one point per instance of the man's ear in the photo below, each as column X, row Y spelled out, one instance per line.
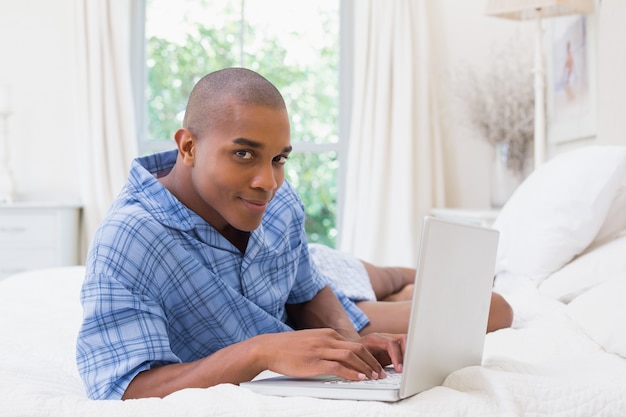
column 186, row 142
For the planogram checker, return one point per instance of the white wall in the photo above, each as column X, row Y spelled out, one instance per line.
column 612, row 72
column 467, row 38
column 35, row 46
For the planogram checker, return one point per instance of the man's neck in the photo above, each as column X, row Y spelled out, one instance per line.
column 238, row 238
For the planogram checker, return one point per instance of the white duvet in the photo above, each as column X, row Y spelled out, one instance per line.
column 546, row 365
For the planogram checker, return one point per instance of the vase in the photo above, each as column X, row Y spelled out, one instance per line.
column 505, row 177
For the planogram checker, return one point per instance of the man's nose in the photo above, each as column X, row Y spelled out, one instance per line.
column 265, row 178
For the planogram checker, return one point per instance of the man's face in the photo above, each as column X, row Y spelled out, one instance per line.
column 239, row 166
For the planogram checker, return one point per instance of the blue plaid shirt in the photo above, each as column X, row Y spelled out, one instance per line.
column 163, row 286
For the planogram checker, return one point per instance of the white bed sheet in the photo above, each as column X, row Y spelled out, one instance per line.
column 545, row 365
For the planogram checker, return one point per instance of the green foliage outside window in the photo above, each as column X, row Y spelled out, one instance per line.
column 311, row 94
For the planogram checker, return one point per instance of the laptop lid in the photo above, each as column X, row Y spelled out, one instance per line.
column 448, row 322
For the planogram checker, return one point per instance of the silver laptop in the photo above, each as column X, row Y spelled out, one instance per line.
column 448, row 320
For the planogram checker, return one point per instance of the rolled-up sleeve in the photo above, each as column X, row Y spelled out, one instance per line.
column 121, row 335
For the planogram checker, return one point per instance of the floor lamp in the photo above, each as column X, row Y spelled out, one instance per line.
column 537, row 10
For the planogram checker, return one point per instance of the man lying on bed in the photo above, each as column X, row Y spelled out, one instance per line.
column 201, row 269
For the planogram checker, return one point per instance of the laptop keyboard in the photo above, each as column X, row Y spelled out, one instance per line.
column 393, row 378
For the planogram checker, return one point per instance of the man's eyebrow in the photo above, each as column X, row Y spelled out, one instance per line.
column 257, row 145
column 248, row 142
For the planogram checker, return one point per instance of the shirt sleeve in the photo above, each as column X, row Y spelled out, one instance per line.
column 121, row 335
column 318, row 281
column 308, row 279
column 358, row 318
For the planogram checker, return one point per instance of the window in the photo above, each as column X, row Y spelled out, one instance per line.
column 294, row 44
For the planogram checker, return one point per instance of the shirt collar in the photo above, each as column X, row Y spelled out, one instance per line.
column 157, row 200
column 168, row 210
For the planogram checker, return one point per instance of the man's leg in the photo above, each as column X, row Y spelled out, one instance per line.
column 392, row 287
column 391, row 283
column 393, row 317
column 500, row 313
column 386, row 316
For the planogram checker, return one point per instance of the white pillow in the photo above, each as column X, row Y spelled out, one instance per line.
column 558, row 210
column 615, row 221
column 590, row 269
column 601, row 312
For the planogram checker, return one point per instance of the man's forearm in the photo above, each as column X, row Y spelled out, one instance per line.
column 234, row 364
column 323, row 311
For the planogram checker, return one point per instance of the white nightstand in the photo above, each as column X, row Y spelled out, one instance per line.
column 479, row 217
column 37, row 235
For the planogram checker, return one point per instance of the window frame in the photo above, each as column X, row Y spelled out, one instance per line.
column 138, row 75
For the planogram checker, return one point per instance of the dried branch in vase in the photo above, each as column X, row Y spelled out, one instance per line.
column 500, row 100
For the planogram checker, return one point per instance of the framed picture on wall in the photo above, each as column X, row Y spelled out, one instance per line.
column 571, row 78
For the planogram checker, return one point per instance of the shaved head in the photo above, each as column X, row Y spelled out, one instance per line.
column 211, row 100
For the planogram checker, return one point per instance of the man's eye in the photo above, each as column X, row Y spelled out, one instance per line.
column 281, row 159
column 244, row 154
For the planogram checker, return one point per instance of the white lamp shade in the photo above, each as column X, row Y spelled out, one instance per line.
column 530, row 9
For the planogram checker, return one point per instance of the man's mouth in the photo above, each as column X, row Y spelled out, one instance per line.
column 255, row 205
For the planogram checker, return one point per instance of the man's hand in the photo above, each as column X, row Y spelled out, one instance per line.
column 386, row 348
column 325, row 311
column 315, row 352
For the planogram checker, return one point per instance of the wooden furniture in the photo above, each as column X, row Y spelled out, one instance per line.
column 37, row 235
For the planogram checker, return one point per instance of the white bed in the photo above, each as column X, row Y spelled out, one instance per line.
column 561, row 266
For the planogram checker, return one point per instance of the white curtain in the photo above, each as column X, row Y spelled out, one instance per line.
column 105, row 113
column 394, row 171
